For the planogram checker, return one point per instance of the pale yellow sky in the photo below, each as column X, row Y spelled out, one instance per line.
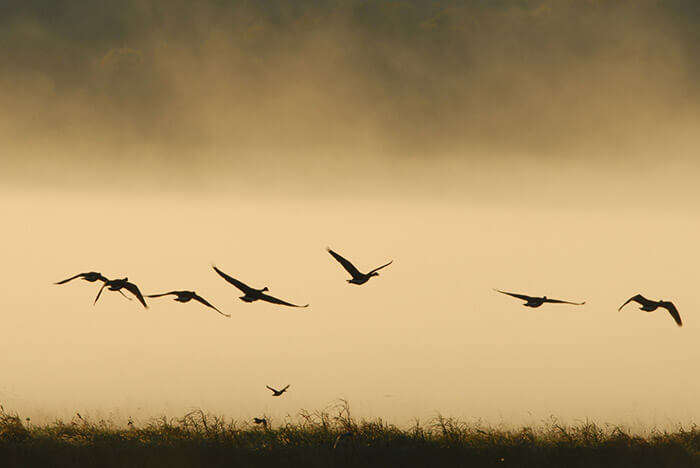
column 428, row 335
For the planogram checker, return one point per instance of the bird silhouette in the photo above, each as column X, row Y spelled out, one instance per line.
column 252, row 294
column 118, row 284
column 650, row 306
column 262, row 421
column 186, row 296
column 91, row 276
column 277, row 392
column 533, row 301
column 357, row 276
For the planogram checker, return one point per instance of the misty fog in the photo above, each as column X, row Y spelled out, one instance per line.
column 221, row 90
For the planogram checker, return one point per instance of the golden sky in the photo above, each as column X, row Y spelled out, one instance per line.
column 427, row 335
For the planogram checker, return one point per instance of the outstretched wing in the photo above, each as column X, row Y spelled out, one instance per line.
column 133, row 289
column 519, row 296
column 239, row 284
column 271, row 388
column 638, row 298
column 91, row 276
column 79, row 275
column 557, row 301
column 274, row 300
column 285, row 388
column 379, row 268
column 200, row 299
column 98, row 293
column 164, row 294
column 673, row 311
column 349, row 267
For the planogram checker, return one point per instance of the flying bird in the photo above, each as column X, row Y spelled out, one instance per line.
column 118, row 284
column 650, row 306
column 277, row 392
column 91, row 276
column 262, row 421
column 357, row 276
column 532, row 301
column 252, row 294
column 186, row 296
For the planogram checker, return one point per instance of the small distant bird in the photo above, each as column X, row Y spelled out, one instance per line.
column 252, row 294
column 650, row 306
column 118, row 284
column 91, row 277
column 277, row 392
column 532, row 301
column 186, row 296
column 262, row 421
column 357, row 276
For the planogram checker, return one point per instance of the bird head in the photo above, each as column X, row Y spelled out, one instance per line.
column 374, row 274
column 265, row 289
column 544, row 297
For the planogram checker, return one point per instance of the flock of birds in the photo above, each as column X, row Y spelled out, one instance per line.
column 251, row 294
column 647, row 305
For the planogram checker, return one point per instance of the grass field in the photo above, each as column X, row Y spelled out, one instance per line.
column 335, row 439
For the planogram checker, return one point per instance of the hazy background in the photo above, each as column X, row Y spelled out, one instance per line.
column 546, row 147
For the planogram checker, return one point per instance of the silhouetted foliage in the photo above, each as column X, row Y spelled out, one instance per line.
column 336, row 439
